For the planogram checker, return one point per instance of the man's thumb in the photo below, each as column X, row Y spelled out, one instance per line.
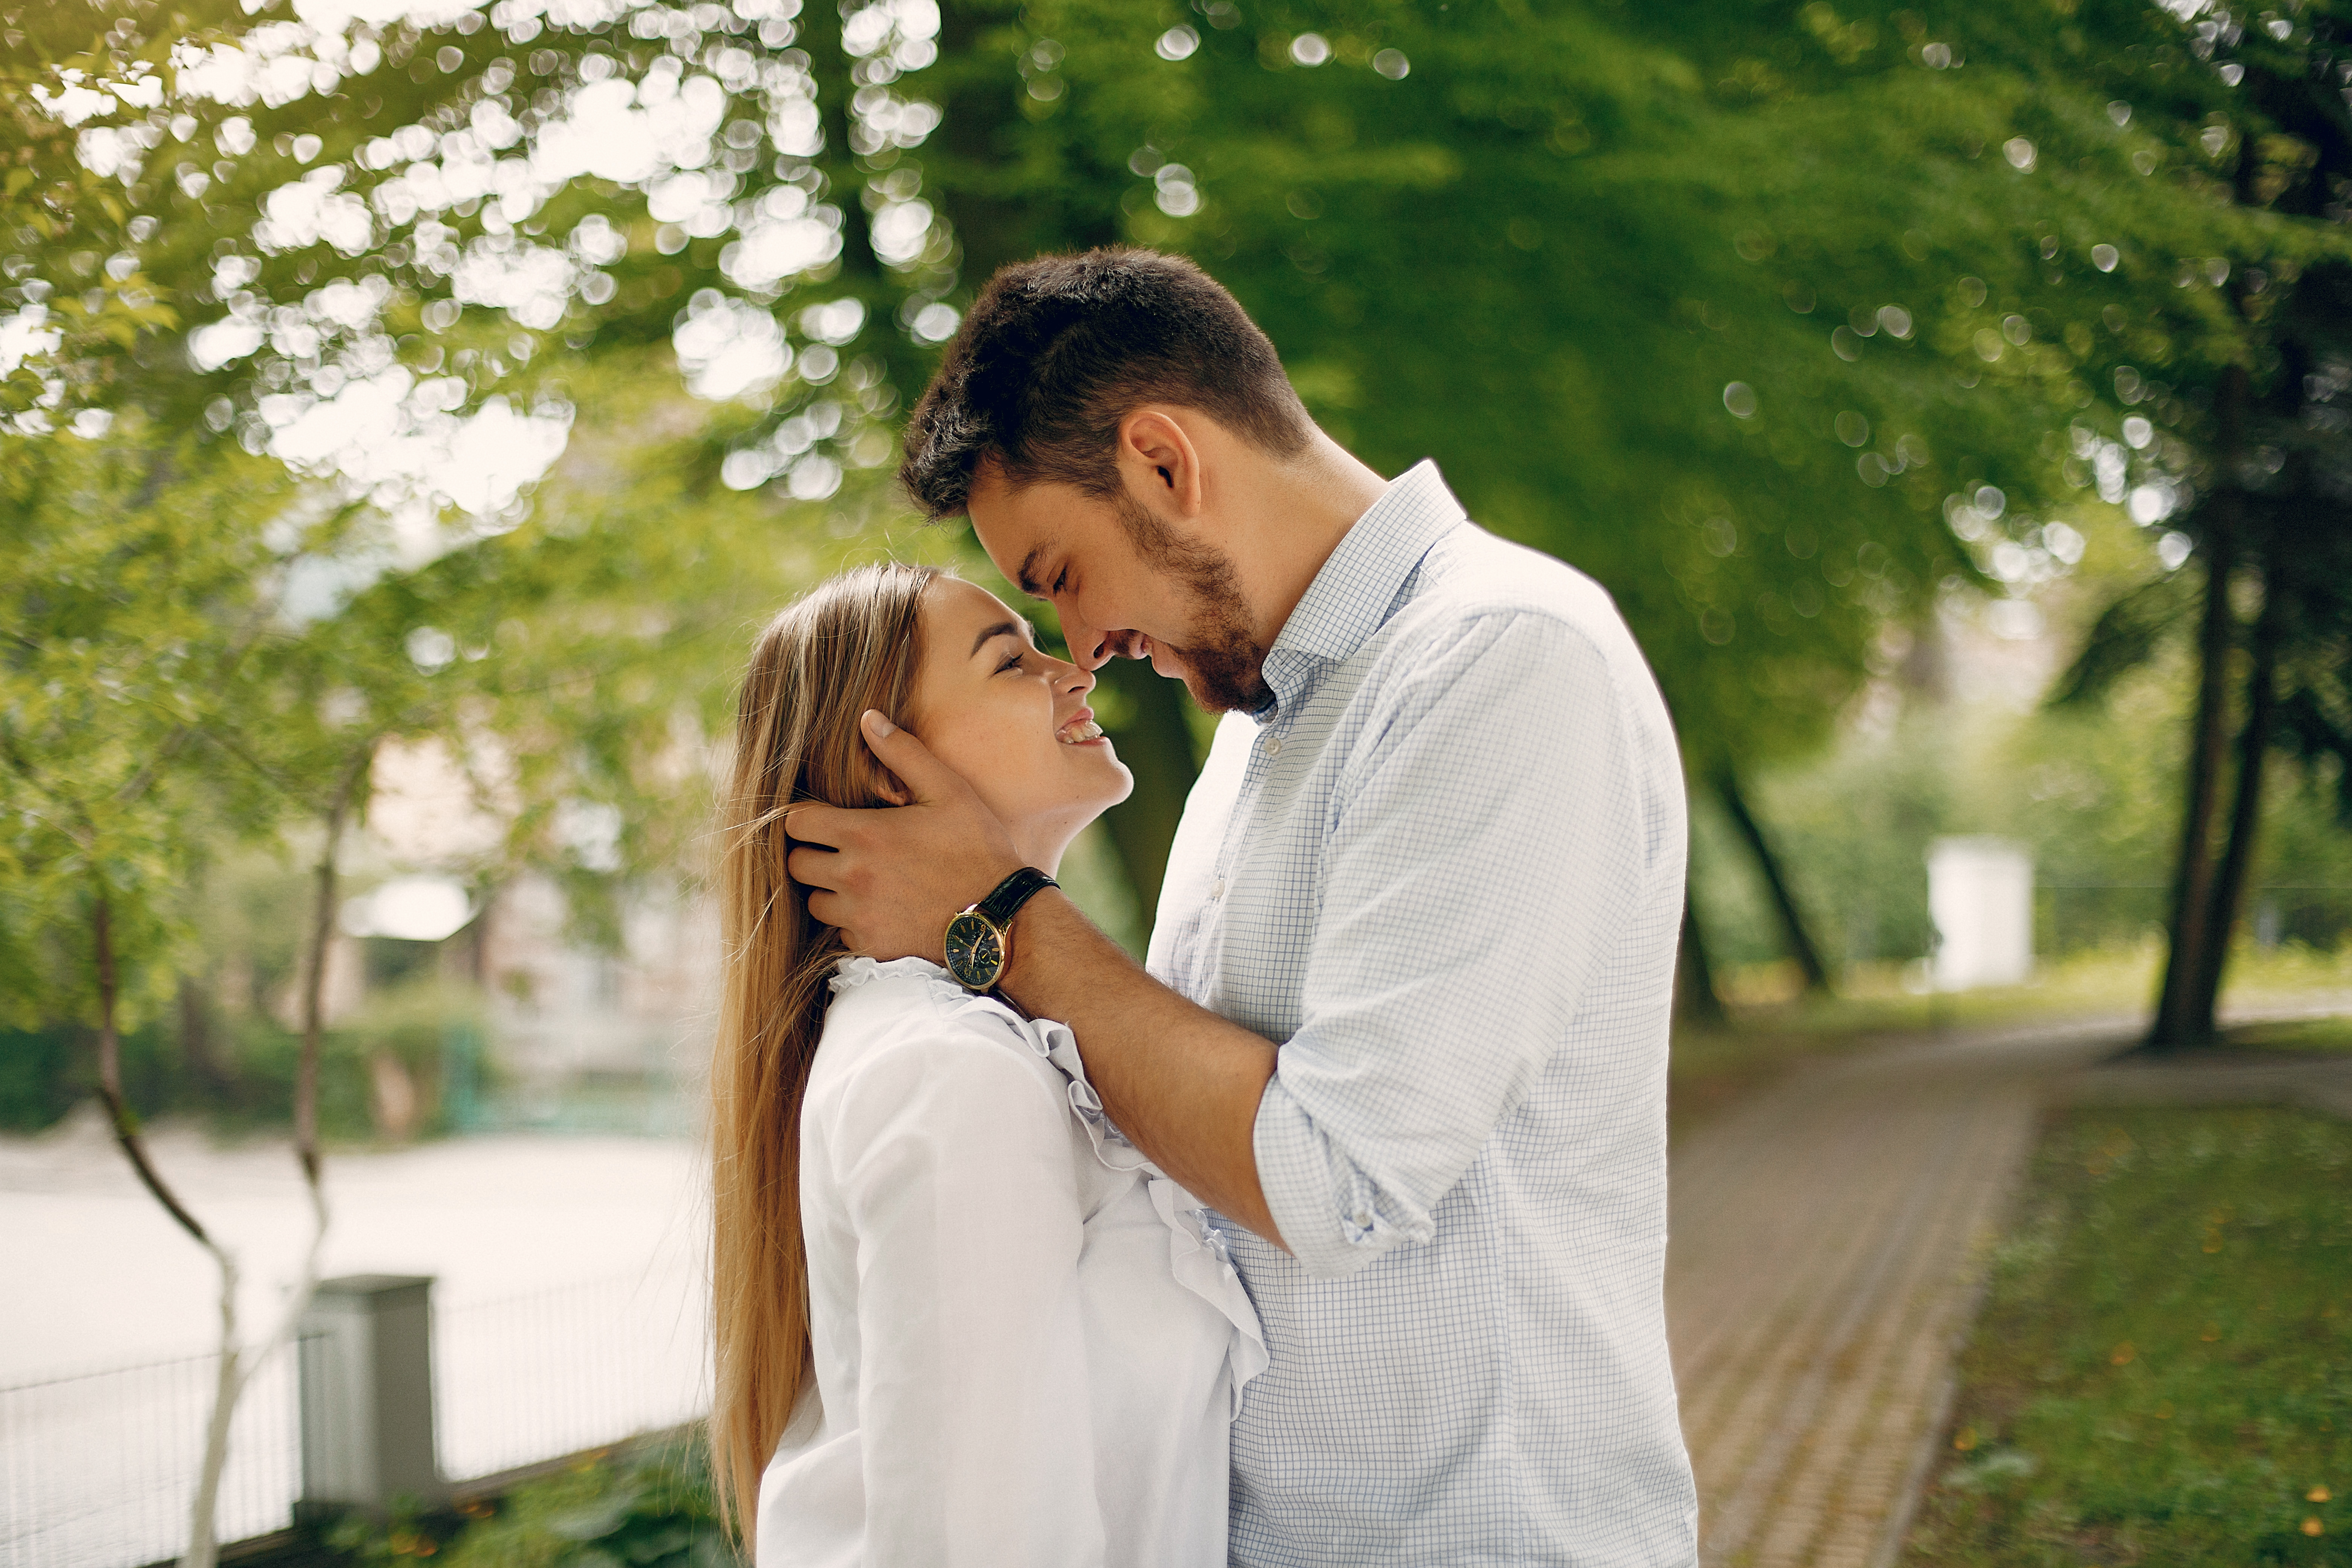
column 899, row 751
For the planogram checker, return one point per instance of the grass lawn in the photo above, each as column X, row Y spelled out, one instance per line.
column 2162, row 1372
column 1772, row 1027
column 2325, row 1036
column 642, row 1506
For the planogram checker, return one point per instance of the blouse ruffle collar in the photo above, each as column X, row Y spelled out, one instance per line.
column 1198, row 1254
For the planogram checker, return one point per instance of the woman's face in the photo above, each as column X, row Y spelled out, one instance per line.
column 1012, row 721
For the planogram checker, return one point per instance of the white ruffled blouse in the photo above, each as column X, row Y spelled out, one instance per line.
column 1029, row 1344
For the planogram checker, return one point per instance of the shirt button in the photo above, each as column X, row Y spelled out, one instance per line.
column 1274, row 745
column 1217, row 890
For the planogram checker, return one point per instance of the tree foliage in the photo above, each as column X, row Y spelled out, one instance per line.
column 1782, row 324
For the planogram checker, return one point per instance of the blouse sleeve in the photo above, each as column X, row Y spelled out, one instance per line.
column 955, row 1159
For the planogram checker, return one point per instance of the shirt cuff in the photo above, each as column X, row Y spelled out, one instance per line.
column 1333, row 1218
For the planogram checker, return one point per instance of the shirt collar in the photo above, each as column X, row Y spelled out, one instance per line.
column 1362, row 580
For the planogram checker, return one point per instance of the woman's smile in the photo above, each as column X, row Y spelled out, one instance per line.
column 983, row 684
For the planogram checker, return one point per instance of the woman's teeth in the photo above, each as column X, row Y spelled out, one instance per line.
column 1079, row 734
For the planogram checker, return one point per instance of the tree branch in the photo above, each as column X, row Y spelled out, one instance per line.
column 1784, row 900
column 322, row 925
column 109, row 1078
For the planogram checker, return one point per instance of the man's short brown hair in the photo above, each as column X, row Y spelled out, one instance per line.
column 1057, row 351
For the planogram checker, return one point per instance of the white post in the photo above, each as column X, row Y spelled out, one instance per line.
column 1980, row 895
column 366, row 1373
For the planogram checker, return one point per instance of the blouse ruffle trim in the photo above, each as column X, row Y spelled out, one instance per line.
column 1201, row 1261
column 851, row 973
column 1199, row 1255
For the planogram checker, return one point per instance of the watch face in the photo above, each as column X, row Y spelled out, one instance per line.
column 975, row 952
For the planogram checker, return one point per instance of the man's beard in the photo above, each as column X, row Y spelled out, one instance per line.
column 1223, row 663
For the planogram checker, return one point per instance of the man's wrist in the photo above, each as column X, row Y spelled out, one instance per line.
column 979, row 940
column 1002, row 866
column 1031, row 934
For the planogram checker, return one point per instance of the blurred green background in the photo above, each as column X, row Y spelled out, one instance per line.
column 408, row 412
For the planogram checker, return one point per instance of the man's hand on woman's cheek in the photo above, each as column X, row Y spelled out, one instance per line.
column 889, row 879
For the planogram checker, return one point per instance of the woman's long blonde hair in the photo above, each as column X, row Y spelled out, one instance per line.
column 848, row 645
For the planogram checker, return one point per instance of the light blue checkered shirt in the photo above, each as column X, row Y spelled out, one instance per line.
column 1444, row 869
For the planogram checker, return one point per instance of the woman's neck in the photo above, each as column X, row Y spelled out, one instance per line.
column 1043, row 845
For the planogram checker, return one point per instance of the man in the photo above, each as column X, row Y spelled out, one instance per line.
column 1406, row 1008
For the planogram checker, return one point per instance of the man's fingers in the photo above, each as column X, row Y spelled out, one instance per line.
column 899, row 750
column 815, row 868
column 814, row 822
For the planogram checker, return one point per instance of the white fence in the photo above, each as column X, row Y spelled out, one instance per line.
column 98, row 1470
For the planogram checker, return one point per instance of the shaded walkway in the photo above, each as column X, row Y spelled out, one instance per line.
column 1828, row 1243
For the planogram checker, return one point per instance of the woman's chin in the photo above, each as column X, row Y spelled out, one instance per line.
column 1108, row 781
column 1125, row 784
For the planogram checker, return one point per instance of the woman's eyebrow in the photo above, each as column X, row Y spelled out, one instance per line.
column 1000, row 629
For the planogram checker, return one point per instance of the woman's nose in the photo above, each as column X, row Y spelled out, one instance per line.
column 1077, row 679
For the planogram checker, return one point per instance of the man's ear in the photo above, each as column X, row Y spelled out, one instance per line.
column 1157, row 456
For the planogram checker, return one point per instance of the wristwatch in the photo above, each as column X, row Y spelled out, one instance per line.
column 980, row 939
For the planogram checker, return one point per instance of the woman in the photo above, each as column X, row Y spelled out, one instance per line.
column 958, row 1319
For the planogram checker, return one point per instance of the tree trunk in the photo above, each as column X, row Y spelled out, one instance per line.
column 314, row 978
column 238, row 1365
column 2192, row 881
column 110, row 1075
column 202, row 1549
column 1155, row 740
column 830, row 65
column 1695, row 998
column 203, row 1543
column 2198, row 1019
column 965, row 161
column 1793, row 923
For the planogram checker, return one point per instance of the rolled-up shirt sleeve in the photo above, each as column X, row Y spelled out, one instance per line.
column 1489, row 836
column 956, row 1161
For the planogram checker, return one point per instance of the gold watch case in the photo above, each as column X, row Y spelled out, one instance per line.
column 976, row 950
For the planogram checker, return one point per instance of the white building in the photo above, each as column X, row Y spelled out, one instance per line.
column 1980, row 896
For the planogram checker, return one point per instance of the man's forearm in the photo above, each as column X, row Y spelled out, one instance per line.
column 1182, row 1082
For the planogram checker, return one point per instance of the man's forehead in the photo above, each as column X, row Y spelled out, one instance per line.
column 1015, row 523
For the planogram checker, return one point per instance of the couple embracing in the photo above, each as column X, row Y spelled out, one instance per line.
column 1334, row 1234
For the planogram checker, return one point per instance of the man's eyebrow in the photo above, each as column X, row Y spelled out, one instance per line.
column 1000, row 629
column 1027, row 576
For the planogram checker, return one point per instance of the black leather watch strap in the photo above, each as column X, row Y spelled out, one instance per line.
column 1001, row 906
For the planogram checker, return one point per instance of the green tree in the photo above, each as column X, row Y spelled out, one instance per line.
column 2204, row 196
column 246, row 550
column 127, row 711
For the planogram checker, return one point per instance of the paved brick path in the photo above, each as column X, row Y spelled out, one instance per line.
column 1828, row 1243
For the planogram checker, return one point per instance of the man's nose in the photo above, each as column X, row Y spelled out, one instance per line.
column 1088, row 646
